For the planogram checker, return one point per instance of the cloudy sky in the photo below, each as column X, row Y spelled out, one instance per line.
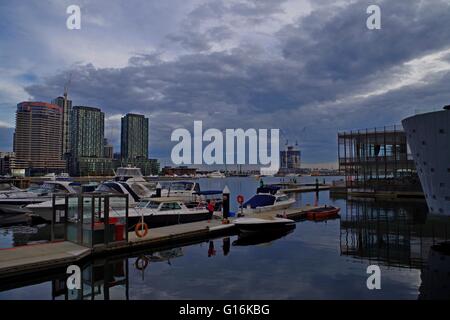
column 307, row 67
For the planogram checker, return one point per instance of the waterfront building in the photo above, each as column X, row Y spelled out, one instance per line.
column 66, row 107
column 7, row 162
column 290, row 160
column 37, row 138
column 108, row 150
column 87, row 143
column 134, row 136
column 428, row 136
column 377, row 160
column 179, row 171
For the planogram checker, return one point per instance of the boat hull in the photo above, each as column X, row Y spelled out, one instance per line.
column 323, row 214
column 162, row 220
column 255, row 225
column 279, row 206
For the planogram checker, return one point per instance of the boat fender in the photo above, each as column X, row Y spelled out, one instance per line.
column 138, row 229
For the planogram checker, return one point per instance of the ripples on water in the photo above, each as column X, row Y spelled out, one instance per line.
column 325, row 260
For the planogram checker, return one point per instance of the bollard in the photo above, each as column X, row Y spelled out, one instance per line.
column 317, row 185
column 158, row 190
column 225, row 204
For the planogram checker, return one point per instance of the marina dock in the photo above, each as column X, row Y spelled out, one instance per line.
column 32, row 259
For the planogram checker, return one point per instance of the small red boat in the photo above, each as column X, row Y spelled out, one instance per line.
column 323, row 213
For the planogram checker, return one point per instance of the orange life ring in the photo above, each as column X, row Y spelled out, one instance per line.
column 138, row 229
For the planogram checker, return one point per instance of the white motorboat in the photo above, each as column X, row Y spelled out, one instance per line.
column 39, row 194
column 260, row 225
column 267, row 199
column 216, row 174
column 44, row 210
column 163, row 211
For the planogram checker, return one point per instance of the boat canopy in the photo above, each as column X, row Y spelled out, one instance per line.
column 271, row 189
column 260, row 200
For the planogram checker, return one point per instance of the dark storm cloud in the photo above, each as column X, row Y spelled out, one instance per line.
column 308, row 85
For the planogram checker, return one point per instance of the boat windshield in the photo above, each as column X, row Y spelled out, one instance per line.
column 49, row 188
column 148, row 204
column 282, row 198
column 109, row 188
column 129, row 172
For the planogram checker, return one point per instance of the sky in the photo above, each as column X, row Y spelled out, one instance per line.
column 308, row 68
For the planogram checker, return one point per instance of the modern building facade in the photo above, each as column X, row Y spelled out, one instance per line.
column 37, row 138
column 7, row 163
column 134, row 136
column 87, row 132
column 377, row 159
column 290, row 160
column 428, row 136
column 87, row 143
column 108, row 150
column 66, row 107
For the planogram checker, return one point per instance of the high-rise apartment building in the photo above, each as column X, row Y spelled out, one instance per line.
column 37, row 138
column 66, row 107
column 134, row 136
column 87, row 132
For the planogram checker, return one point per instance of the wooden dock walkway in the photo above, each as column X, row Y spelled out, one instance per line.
column 38, row 257
column 35, row 258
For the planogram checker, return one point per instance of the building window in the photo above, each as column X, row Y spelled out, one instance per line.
column 434, row 196
column 414, row 131
column 417, row 155
column 432, row 169
column 424, row 143
column 424, row 163
column 441, row 131
column 442, row 184
column 447, row 198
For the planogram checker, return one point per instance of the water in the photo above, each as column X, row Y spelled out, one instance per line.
column 326, row 260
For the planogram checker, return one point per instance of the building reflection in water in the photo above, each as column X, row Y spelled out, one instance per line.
column 435, row 275
column 400, row 235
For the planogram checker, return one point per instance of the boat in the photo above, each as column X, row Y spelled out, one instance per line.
column 38, row 194
column 44, row 210
column 255, row 238
column 216, row 174
column 267, row 199
column 159, row 212
column 323, row 213
column 262, row 225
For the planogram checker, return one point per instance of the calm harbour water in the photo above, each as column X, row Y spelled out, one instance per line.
column 323, row 260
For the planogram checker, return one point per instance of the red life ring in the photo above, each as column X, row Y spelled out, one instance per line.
column 138, row 229
column 240, row 199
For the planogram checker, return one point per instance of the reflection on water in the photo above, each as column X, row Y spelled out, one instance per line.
column 316, row 260
column 391, row 233
column 436, row 273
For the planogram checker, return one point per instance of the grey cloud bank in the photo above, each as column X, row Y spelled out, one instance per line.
column 307, row 68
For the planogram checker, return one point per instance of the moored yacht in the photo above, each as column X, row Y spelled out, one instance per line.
column 216, row 174
column 158, row 212
column 267, row 199
column 39, row 194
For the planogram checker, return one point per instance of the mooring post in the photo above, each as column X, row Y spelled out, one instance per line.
column 225, row 204
column 158, row 190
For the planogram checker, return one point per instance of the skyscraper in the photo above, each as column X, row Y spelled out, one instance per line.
column 87, row 132
column 37, row 137
column 66, row 107
column 87, row 143
column 134, row 137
